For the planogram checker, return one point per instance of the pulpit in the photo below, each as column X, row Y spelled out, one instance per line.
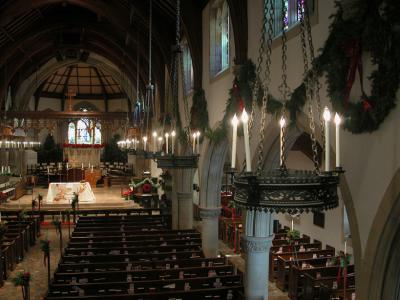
column 92, row 176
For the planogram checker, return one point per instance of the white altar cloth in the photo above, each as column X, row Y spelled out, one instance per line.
column 63, row 192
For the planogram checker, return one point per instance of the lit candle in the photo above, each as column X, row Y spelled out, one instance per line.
column 159, row 142
column 327, row 118
column 82, row 166
column 282, row 123
column 234, row 122
column 245, row 120
column 166, row 142
column 144, row 142
column 173, row 133
column 292, row 225
column 198, row 141
column 154, row 141
column 194, row 142
column 338, row 120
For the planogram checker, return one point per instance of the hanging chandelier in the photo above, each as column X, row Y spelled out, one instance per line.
column 10, row 141
column 170, row 158
column 283, row 190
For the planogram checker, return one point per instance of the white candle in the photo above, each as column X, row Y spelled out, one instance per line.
column 67, row 166
column 154, row 141
column 234, row 122
column 292, row 225
column 245, row 120
column 194, row 142
column 159, row 143
column 173, row 133
column 89, row 166
column 338, row 120
column 2, row 169
column 48, row 170
column 144, row 142
column 92, row 169
column 82, row 166
column 166, row 142
column 282, row 124
column 198, row 141
column 9, row 170
column 135, row 144
column 345, row 247
column 327, row 118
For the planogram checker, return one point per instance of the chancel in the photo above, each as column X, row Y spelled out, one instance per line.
column 208, row 149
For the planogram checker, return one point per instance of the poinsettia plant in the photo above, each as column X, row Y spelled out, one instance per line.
column 292, row 235
column 22, row 279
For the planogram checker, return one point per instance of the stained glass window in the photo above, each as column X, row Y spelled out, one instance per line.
column 187, row 68
column 84, row 131
column 292, row 14
column 219, row 37
column 71, row 133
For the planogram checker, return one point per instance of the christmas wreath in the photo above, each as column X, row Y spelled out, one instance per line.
column 363, row 27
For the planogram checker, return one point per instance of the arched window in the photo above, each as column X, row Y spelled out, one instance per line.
column 71, row 133
column 84, row 131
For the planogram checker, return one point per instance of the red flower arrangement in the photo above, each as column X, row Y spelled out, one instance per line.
column 83, row 146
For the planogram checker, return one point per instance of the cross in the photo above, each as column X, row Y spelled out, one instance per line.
column 70, row 93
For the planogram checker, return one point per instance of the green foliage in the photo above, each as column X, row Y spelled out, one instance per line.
column 45, row 246
column 112, row 153
column 370, row 24
column 198, row 111
column 21, row 279
column 292, row 235
column 49, row 151
column 241, row 93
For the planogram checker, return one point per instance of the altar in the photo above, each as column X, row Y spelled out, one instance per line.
column 63, row 192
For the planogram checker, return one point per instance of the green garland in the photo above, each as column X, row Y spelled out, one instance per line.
column 240, row 96
column 140, row 183
column 198, row 111
column 371, row 25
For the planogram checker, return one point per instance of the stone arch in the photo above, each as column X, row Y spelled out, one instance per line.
column 29, row 86
column 211, row 172
column 380, row 274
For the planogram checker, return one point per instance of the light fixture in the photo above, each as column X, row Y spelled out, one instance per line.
column 282, row 190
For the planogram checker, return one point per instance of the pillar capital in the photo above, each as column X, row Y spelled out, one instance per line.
column 209, row 212
column 251, row 244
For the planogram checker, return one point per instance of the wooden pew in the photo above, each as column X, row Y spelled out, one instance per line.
column 315, row 278
column 285, row 260
column 275, row 251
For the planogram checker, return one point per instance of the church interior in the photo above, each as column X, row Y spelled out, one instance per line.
column 199, row 149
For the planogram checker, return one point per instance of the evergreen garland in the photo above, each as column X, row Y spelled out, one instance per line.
column 240, row 96
column 374, row 26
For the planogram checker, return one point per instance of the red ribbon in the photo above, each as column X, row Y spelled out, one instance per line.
column 353, row 51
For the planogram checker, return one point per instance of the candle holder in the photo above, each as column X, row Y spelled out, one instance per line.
column 177, row 161
column 287, row 191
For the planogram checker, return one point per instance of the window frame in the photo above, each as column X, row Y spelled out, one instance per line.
column 212, row 38
column 294, row 30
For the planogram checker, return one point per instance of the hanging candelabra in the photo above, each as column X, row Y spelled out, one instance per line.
column 171, row 158
column 283, row 190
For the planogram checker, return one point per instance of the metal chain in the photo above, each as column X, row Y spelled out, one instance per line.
column 269, row 13
column 309, row 83
column 317, row 85
column 284, row 88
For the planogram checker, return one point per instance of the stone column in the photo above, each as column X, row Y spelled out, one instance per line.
column 209, row 230
column 256, row 244
column 182, row 198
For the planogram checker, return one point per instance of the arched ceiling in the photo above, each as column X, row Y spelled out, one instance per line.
column 34, row 32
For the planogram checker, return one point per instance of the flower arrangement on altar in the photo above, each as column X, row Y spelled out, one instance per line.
column 83, row 146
